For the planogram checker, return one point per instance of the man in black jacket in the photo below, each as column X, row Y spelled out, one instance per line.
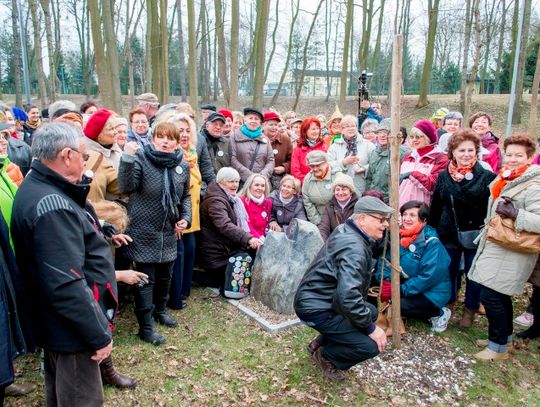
column 66, row 268
column 332, row 295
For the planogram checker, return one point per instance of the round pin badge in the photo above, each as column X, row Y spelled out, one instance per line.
column 506, row 173
column 275, row 151
column 328, row 186
column 220, row 153
column 279, row 213
column 264, row 214
column 264, row 140
column 179, row 170
column 469, row 176
column 412, row 248
column 232, row 259
column 89, row 173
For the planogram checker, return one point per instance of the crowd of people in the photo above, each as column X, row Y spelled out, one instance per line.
column 98, row 209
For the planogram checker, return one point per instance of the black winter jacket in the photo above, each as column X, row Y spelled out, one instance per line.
column 65, row 264
column 470, row 203
column 282, row 213
column 20, row 153
column 338, row 279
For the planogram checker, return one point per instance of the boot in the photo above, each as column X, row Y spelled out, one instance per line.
column 161, row 296
column 144, row 310
column 534, row 330
column 111, row 377
column 17, row 390
column 467, row 318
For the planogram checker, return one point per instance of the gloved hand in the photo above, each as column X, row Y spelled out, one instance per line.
column 404, row 176
column 507, row 209
column 108, row 229
column 386, row 291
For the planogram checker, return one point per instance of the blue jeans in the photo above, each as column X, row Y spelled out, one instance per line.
column 472, row 289
column 182, row 270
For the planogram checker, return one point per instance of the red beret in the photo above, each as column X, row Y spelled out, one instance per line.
column 428, row 128
column 271, row 116
column 96, row 123
column 226, row 113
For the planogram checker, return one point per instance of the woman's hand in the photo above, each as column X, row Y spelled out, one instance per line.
column 255, row 243
column 507, row 209
column 350, row 160
column 274, row 226
column 279, row 170
column 121, row 240
column 179, row 228
column 130, row 276
column 131, row 148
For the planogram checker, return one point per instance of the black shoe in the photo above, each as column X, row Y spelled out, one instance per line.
column 532, row 332
column 152, row 337
column 175, row 307
column 164, row 318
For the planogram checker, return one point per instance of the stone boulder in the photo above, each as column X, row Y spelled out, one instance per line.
column 282, row 262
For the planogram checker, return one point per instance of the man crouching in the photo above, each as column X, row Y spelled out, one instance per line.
column 332, row 295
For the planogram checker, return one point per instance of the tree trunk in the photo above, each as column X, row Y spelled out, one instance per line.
column 37, row 51
column 433, row 10
column 222, row 57
column 192, row 51
column 465, row 66
column 273, row 50
column 478, row 45
column 305, row 57
column 104, row 85
column 500, row 49
column 164, row 53
column 111, row 56
column 263, row 11
column 17, row 50
column 345, row 67
column 233, row 57
column 289, row 51
column 377, row 50
column 366, row 38
column 534, row 99
column 181, row 53
column 516, row 116
column 50, row 49
column 489, row 33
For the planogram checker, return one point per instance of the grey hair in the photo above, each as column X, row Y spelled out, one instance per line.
column 246, row 189
column 368, row 123
column 349, row 118
column 61, row 104
column 227, row 174
column 453, row 116
column 49, row 139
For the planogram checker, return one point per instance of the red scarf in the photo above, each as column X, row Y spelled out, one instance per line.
column 409, row 235
column 498, row 186
column 458, row 174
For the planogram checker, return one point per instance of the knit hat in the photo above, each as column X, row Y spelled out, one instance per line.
column 147, row 97
column 335, row 116
column 271, row 116
column 118, row 121
column 428, row 129
column 385, row 125
column 248, row 110
column 316, row 157
column 96, row 123
column 227, row 113
column 19, row 114
column 343, row 180
column 370, row 204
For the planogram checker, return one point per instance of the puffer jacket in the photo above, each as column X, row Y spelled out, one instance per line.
column 20, row 153
column 423, row 169
column 337, row 152
column 426, row 265
column 337, row 281
column 299, row 167
column 378, row 172
column 151, row 226
column 500, row 269
column 334, row 215
column 242, row 152
column 317, row 193
column 282, row 213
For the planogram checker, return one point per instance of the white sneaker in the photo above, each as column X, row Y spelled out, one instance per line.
column 440, row 323
column 526, row 319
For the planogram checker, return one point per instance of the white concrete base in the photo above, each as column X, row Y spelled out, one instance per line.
column 266, row 325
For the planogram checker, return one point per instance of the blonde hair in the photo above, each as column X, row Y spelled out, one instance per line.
column 349, row 119
column 113, row 213
column 295, row 182
column 245, row 191
column 184, row 117
column 184, row 107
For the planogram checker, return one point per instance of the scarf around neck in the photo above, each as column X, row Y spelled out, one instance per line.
column 409, row 235
column 505, row 175
column 458, row 174
column 352, row 147
column 252, row 134
column 311, row 143
column 33, row 125
column 239, row 210
column 285, row 201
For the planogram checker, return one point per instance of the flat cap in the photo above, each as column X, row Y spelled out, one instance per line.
column 316, row 157
column 212, row 117
column 147, row 97
column 370, row 204
column 384, row 125
column 248, row 110
column 208, row 106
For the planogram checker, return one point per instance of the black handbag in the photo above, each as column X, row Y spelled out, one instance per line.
column 238, row 276
column 466, row 238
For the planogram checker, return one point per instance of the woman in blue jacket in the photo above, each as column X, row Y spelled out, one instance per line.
column 425, row 283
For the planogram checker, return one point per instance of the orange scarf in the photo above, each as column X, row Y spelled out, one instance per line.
column 458, row 174
column 498, row 186
column 409, row 235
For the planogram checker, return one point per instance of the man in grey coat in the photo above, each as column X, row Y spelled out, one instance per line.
column 331, row 297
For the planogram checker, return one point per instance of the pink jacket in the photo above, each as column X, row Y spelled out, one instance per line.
column 494, row 158
column 258, row 216
column 423, row 172
column 299, row 168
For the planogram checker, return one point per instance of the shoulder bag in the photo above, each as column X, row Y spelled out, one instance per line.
column 466, row 238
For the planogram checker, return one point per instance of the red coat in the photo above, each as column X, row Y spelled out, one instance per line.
column 299, row 168
column 258, row 216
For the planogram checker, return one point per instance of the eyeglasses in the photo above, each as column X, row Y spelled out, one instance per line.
column 85, row 156
column 381, row 219
column 140, row 122
column 416, row 136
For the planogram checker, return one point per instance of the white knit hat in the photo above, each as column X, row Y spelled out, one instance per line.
column 343, row 180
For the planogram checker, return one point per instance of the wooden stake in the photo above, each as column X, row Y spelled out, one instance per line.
column 395, row 142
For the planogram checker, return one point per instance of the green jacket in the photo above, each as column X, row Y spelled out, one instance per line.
column 378, row 173
column 7, row 191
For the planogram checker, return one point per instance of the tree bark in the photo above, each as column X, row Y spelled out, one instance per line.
column 17, row 49
column 233, row 59
column 465, row 64
column 273, row 50
column 37, row 51
column 263, row 11
column 533, row 119
column 433, row 12
column 164, row 53
column 516, row 116
column 181, row 53
column 345, row 66
column 192, row 51
column 500, row 49
column 476, row 63
column 222, row 57
column 111, row 54
column 50, row 49
column 104, row 84
column 377, row 50
column 366, row 37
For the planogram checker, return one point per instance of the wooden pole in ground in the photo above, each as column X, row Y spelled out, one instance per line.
column 395, row 142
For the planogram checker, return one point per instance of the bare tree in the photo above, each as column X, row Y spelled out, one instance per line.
column 433, row 12
column 273, row 50
column 367, row 19
column 192, row 50
column 533, row 119
column 17, row 63
column 50, row 49
column 345, row 67
column 181, row 53
column 233, row 59
column 111, row 54
column 263, row 10
column 465, row 62
column 502, row 28
column 476, row 63
column 516, row 116
column 36, row 24
column 222, row 59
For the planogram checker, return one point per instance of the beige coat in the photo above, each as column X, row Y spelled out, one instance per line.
column 500, row 269
column 242, row 150
column 317, row 193
column 105, row 182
